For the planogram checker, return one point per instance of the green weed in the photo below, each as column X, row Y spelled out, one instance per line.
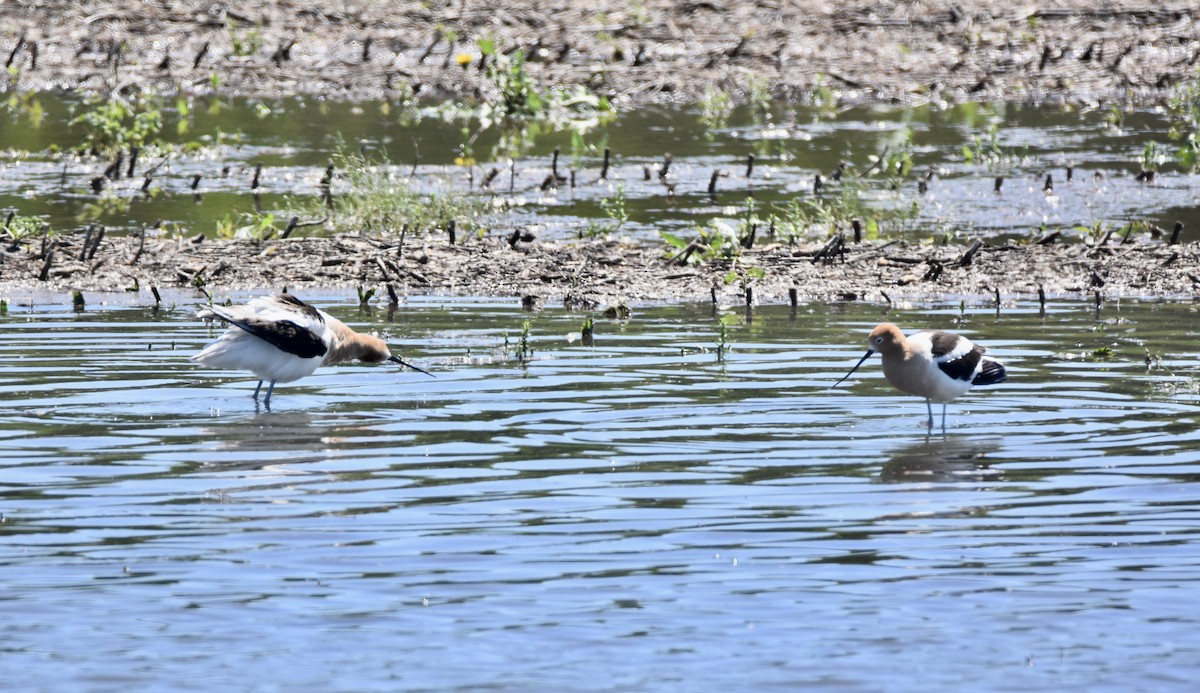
column 521, row 109
column 895, row 162
column 378, row 198
column 21, row 228
column 1095, row 233
column 1183, row 109
column 719, row 240
column 986, row 149
column 1151, row 157
column 723, row 326
column 637, row 15
column 247, row 226
column 516, row 98
column 716, row 106
column 27, row 104
column 758, row 95
column 524, row 348
column 615, row 212
column 745, row 278
column 245, row 43
column 581, row 148
column 1188, row 153
column 114, row 124
column 803, row 218
column 108, row 204
column 1114, row 118
column 824, row 98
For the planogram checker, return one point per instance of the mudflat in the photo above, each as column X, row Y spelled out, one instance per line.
column 590, row 274
column 1080, row 50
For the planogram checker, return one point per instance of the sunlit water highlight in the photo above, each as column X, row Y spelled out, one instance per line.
column 633, row 515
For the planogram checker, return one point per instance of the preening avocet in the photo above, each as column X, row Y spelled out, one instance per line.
column 939, row 366
column 281, row 339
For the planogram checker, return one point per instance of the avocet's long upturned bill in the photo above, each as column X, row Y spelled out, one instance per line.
column 939, row 366
column 281, row 339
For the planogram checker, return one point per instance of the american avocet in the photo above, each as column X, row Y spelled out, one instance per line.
column 939, row 366
column 281, row 339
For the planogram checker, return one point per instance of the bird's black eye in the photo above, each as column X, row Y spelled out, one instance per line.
column 879, row 340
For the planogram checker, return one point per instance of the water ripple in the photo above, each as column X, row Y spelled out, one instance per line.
column 739, row 523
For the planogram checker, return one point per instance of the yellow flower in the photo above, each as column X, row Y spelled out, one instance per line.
column 463, row 59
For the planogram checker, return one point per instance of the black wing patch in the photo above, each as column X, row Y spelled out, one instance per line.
column 290, row 301
column 963, row 367
column 992, row 372
column 284, row 335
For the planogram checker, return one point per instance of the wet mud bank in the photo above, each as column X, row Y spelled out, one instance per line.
column 1077, row 50
column 593, row 274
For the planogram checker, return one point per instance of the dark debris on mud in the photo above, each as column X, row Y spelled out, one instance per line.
column 1078, row 50
column 591, row 274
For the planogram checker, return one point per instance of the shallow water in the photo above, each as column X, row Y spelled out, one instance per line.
column 633, row 515
column 293, row 139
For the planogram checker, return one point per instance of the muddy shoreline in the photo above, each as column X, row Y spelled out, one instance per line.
column 598, row 274
column 1085, row 51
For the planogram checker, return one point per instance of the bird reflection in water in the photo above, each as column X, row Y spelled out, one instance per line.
column 942, row 459
column 267, row 440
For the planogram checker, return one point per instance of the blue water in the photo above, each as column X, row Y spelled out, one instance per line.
column 637, row 515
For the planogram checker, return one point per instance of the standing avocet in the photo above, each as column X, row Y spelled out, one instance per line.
column 281, row 339
column 939, row 366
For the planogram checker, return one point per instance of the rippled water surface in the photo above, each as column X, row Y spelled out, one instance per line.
column 634, row 515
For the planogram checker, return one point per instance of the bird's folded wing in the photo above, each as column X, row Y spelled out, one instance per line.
column 285, row 335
